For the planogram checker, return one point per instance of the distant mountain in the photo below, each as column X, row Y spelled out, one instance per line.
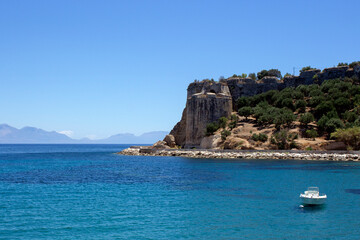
column 10, row 134
column 146, row 138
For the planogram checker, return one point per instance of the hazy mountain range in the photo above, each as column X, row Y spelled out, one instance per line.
column 10, row 134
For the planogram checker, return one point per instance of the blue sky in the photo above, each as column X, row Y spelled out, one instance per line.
column 97, row 68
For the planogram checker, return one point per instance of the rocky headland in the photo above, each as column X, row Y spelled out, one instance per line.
column 211, row 102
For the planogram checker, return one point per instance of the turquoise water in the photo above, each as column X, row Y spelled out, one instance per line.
column 87, row 192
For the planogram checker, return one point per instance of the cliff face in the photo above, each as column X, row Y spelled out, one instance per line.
column 207, row 100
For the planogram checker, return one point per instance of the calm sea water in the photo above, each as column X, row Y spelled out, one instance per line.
column 87, row 192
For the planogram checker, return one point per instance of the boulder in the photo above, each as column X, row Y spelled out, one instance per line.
column 160, row 145
column 210, row 142
column 170, row 140
column 236, row 143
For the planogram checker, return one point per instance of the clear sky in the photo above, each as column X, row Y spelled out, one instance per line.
column 97, row 68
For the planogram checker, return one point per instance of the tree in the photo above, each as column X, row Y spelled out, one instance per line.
column 333, row 124
column 274, row 73
column 246, row 112
column 262, row 74
column 350, row 116
column 284, row 117
column 323, row 108
column 242, row 102
column 353, row 64
column 322, row 123
column 341, row 64
column 306, row 118
column 350, row 137
column 252, row 76
column 342, row 104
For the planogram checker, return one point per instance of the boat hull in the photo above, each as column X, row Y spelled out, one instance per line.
column 313, row 201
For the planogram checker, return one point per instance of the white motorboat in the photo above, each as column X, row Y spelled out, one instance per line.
column 312, row 197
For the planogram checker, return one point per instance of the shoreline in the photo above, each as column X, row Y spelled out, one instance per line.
column 244, row 154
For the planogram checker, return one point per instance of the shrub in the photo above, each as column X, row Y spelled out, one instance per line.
column 306, row 118
column 300, row 105
column 225, row 134
column 243, row 75
column 222, row 122
column 307, row 69
column 311, row 133
column 234, row 117
column 255, row 137
column 263, row 137
column 342, row 64
column 284, row 140
column 350, row 136
column 297, row 94
column 314, row 101
column 304, row 89
column 259, row 137
column 232, row 125
column 211, row 128
column 288, row 103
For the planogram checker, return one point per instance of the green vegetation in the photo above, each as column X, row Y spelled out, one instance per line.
column 350, row 136
column 321, row 110
column 284, row 140
column 252, row 76
column 246, row 112
column 311, row 133
column 211, row 128
column 214, row 126
column 353, row 64
column 225, row 134
column 307, row 68
column 259, row 137
column 271, row 72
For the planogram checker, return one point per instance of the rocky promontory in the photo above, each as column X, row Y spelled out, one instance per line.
column 208, row 101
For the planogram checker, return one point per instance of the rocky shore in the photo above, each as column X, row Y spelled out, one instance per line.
column 294, row 155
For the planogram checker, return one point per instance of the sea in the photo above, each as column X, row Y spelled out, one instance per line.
column 89, row 192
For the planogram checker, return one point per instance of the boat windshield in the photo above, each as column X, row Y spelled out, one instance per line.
column 313, row 189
